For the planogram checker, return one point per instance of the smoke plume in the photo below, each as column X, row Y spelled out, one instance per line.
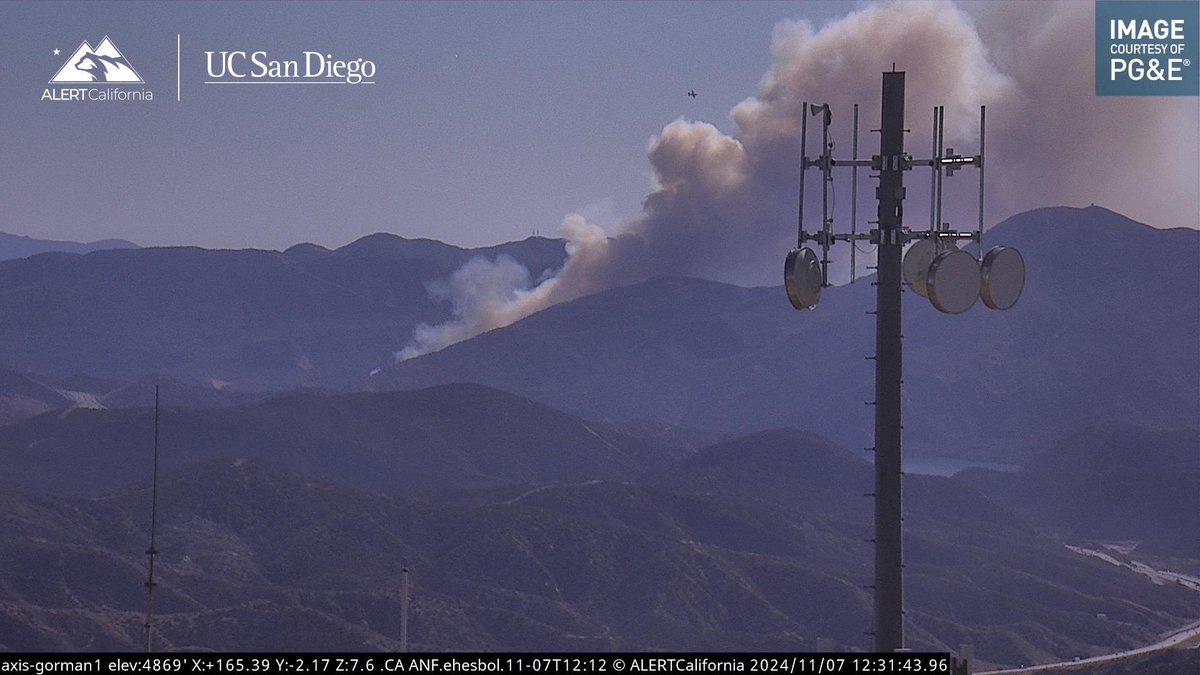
column 489, row 294
column 723, row 206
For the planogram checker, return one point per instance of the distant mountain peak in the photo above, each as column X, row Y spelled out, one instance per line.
column 22, row 246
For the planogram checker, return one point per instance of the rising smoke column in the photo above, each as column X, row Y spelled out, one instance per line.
column 488, row 294
column 723, row 205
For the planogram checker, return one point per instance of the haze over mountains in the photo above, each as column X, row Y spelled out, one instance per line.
column 1106, row 330
column 556, row 484
column 255, row 319
column 20, row 246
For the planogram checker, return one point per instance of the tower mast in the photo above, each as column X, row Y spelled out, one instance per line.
column 152, row 551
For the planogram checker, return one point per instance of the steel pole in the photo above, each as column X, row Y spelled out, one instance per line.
column 889, row 589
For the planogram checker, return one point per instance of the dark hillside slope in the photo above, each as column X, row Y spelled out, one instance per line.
column 254, row 557
column 446, row 438
column 1110, row 484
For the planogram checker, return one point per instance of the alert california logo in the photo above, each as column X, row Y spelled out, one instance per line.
column 102, row 73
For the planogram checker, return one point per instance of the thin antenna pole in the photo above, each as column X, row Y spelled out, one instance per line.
column 854, row 196
column 941, row 148
column 933, row 168
column 826, row 178
column 404, row 607
column 152, row 551
column 803, row 166
column 979, row 233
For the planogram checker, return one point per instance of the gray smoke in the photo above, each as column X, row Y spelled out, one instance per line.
column 723, row 206
column 489, row 294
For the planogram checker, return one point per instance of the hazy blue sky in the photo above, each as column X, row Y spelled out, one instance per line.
column 488, row 119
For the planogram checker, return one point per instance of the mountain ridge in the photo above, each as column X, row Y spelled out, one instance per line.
column 22, row 246
column 451, row 437
column 704, row 355
column 259, row 320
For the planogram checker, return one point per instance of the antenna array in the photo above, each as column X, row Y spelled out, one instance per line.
column 1001, row 271
column 934, row 267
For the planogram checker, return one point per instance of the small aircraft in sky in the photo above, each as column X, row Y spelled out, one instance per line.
column 692, row 93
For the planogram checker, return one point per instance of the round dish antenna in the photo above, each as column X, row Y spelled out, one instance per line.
column 917, row 260
column 953, row 281
column 1002, row 277
column 916, row 265
column 802, row 278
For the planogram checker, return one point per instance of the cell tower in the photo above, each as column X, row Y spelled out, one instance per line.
column 152, row 551
column 934, row 267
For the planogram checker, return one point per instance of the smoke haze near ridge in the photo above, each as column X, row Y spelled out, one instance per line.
column 723, row 206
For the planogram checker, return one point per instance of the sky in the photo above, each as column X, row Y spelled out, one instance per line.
column 490, row 121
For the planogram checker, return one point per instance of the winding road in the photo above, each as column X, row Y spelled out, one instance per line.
column 1188, row 636
column 1176, row 640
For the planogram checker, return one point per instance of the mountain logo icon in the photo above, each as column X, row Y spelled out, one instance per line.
column 105, row 64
